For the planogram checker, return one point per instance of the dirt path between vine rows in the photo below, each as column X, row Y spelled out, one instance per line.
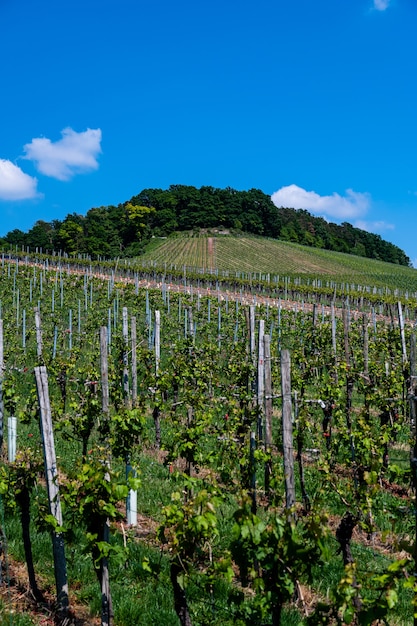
column 244, row 297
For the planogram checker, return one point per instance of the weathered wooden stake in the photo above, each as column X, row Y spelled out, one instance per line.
column 252, row 464
column 287, row 438
column 365, row 345
column 412, row 395
column 1, row 385
column 51, row 474
column 125, row 356
column 38, row 332
column 105, row 578
column 402, row 333
column 260, row 379
column 334, row 345
column 134, row 366
column 268, row 409
column 252, row 331
column 158, row 340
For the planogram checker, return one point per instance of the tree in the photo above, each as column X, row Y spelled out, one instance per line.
column 42, row 235
column 16, row 237
column 102, row 236
column 137, row 219
column 71, row 236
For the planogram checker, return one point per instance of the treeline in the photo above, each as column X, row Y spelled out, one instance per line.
column 124, row 230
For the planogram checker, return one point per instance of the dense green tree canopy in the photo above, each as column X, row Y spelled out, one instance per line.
column 124, row 229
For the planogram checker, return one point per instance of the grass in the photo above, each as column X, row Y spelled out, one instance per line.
column 268, row 256
column 143, row 597
column 11, row 618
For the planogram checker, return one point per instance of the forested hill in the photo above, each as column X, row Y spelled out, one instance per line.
column 124, row 230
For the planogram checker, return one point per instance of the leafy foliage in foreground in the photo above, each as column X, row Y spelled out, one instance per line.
column 213, row 540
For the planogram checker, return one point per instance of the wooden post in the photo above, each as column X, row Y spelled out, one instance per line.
column 365, row 345
column 252, row 330
column 260, row 378
column 287, row 439
column 70, row 330
column 134, row 365
column 1, row 385
column 156, row 410
column 252, row 464
column 24, row 329
column 51, row 474
column 279, row 326
column 104, row 373
column 413, row 408
column 132, row 497
column 314, row 315
column 125, row 357
column 38, row 332
column 402, row 333
column 412, row 390
column 268, row 408
column 346, row 335
column 190, row 323
column 349, row 392
column 105, row 579
column 157, row 340
column 334, row 345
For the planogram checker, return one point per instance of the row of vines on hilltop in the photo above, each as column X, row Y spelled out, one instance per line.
column 249, row 285
column 199, row 384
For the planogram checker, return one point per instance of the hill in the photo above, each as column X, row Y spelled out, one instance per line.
column 124, row 230
column 247, row 254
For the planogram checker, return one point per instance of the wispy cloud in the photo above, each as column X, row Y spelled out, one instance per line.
column 75, row 153
column 381, row 5
column 15, row 184
column 352, row 206
column 374, row 227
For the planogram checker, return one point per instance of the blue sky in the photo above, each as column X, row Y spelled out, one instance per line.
column 314, row 103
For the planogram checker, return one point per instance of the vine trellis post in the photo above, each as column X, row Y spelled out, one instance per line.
column 365, row 345
column 349, row 391
column 105, row 578
column 334, row 344
column 287, row 438
column 412, row 390
column 268, row 409
column 403, row 350
column 402, row 333
column 1, row 384
column 261, row 379
column 158, row 340
column 134, row 363
column 252, row 330
column 125, row 356
column 156, row 409
column 38, row 332
column 132, row 498
column 51, row 473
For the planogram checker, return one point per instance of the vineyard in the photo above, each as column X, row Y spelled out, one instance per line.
column 178, row 452
column 247, row 254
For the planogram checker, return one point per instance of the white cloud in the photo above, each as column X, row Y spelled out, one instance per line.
column 15, row 184
column 351, row 206
column 373, row 227
column 381, row 5
column 75, row 153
